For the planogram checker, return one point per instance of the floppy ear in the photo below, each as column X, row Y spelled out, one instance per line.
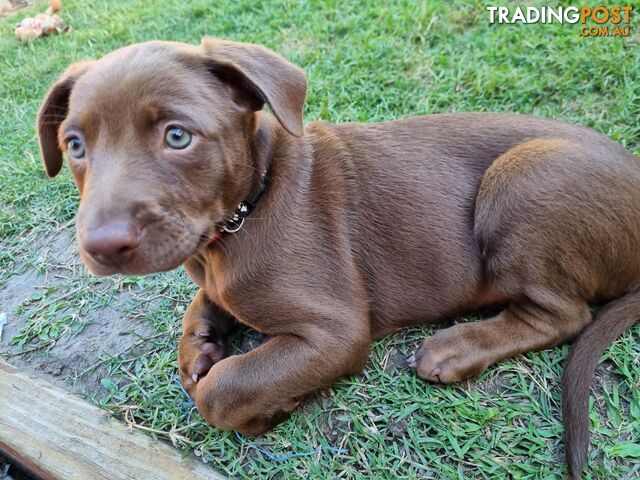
column 52, row 113
column 260, row 76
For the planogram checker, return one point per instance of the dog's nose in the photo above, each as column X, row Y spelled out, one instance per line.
column 112, row 240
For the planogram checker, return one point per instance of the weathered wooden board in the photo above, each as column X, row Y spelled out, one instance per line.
column 56, row 435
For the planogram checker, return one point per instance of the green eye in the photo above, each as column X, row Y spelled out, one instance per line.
column 177, row 138
column 75, row 147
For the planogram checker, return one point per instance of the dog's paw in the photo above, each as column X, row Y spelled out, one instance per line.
column 448, row 357
column 198, row 352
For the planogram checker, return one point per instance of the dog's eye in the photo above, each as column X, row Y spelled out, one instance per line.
column 75, row 147
column 177, row 138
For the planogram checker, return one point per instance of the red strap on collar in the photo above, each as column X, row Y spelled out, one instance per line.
column 215, row 237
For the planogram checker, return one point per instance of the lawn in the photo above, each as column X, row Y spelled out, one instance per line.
column 365, row 62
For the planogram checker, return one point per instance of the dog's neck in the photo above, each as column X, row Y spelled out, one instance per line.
column 260, row 152
column 245, row 207
column 261, row 145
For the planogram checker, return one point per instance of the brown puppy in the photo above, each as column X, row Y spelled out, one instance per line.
column 356, row 230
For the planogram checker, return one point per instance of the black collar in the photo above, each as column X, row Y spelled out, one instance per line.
column 235, row 221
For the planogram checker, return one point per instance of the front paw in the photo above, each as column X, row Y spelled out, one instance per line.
column 229, row 400
column 199, row 350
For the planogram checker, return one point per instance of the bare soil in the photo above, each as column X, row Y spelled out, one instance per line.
column 107, row 329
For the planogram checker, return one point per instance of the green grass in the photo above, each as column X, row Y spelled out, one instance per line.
column 365, row 62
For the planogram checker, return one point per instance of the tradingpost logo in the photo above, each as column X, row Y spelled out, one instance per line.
column 596, row 21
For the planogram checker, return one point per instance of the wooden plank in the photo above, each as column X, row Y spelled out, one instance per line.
column 56, row 435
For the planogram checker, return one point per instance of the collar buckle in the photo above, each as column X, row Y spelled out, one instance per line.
column 234, row 223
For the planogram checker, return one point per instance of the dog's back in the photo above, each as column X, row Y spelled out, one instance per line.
column 412, row 218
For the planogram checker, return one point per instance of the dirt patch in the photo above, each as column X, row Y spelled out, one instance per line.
column 16, row 291
column 396, row 360
column 493, row 385
column 72, row 361
column 397, row 429
column 335, row 424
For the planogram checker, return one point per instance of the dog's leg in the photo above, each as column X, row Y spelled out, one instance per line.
column 205, row 329
column 250, row 393
column 548, row 277
column 466, row 350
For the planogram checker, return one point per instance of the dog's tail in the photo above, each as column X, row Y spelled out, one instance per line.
column 610, row 322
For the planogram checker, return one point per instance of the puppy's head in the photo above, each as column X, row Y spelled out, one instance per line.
column 158, row 138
